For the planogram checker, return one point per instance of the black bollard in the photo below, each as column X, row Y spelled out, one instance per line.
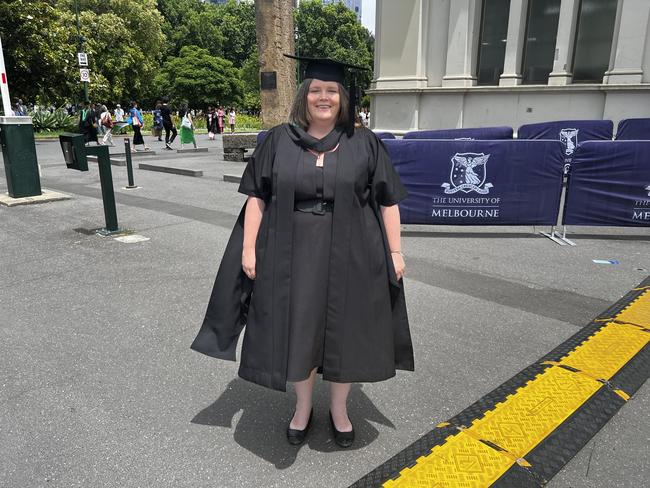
column 129, row 164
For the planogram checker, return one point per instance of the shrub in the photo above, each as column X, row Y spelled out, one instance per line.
column 58, row 120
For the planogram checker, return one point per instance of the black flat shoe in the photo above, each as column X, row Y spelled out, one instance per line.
column 342, row 439
column 295, row 436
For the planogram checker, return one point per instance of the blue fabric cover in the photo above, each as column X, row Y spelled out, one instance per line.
column 633, row 130
column 610, row 185
column 261, row 135
column 572, row 133
column 479, row 182
column 478, row 133
column 385, row 135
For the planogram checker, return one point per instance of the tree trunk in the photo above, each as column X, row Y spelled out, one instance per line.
column 275, row 36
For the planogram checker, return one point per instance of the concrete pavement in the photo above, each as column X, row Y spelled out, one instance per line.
column 100, row 388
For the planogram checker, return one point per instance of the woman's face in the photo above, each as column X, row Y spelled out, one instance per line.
column 323, row 102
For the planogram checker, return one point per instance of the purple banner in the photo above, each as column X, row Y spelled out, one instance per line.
column 633, row 130
column 479, row 182
column 478, row 133
column 572, row 133
column 385, row 135
column 610, row 185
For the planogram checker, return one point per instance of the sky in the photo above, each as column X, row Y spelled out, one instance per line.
column 368, row 14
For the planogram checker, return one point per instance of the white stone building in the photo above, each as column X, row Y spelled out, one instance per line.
column 474, row 63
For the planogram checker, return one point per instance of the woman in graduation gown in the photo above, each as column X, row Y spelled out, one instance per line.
column 314, row 266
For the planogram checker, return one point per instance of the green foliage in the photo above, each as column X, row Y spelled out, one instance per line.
column 332, row 31
column 146, row 49
column 124, row 43
column 44, row 121
column 236, row 21
column 38, row 49
column 251, row 81
column 191, row 23
column 248, row 123
column 200, row 79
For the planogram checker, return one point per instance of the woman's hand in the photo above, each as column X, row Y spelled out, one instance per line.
column 248, row 262
column 398, row 264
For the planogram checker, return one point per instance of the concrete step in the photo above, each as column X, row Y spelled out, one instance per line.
column 192, row 150
column 138, row 154
column 232, row 178
column 114, row 161
column 171, row 169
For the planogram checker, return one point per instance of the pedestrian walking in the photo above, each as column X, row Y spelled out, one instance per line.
column 231, row 119
column 157, row 122
column 187, row 127
column 211, row 123
column 137, row 122
column 221, row 114
column 88, row 123
column 168, row 124
column 314, row 265
column 118, row 119
column 106, row 121
column 101, row 131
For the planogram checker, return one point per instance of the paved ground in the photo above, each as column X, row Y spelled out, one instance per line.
column 100, row 388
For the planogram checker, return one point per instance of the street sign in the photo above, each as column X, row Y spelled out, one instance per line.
column 84, row 74
column 83, row 59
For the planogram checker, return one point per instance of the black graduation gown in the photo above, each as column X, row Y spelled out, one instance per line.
column 361, row 344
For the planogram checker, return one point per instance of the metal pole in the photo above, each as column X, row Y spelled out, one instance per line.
column 80, row 40
column 129, row 164
column 108, row 194
column 4, row 86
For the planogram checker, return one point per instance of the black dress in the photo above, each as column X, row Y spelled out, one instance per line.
column 325, row 293
column 312, row 237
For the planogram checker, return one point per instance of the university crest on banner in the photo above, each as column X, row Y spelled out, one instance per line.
column 569, row 137
column 468, row 173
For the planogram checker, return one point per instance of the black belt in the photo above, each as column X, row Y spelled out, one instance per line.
column 317, row 207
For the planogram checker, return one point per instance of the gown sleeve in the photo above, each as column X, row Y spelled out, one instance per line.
column 257, row 177
column 387, row 186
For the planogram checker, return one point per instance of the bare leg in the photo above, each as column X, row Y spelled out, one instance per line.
column 304, row 391
column 339, row 406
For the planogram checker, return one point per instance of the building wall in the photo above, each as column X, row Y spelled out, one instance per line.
column 354, row 5
column 426, row 68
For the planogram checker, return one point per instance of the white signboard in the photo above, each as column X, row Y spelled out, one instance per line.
column 84, row 74
column 83, row 59
column 4, row 87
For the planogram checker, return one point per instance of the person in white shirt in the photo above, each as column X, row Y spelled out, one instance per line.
column 106, row 121
column 119, row 113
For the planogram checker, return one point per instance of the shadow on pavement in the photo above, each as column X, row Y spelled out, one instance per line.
column 265, row 413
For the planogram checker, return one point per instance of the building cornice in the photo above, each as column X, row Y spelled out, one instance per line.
column 575, row 88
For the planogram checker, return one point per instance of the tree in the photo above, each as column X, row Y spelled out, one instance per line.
column 191, row 22
column 124, row 42
column 200, row 79
column 39, row 51
column 333, row 31
column 251, row 80
column 236, row 21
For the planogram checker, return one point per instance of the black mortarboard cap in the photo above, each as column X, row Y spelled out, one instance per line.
column 325, row 69
column 330, row 70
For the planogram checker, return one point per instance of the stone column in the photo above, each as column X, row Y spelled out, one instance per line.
column 462, row 43
column 626, row 62
column 400, row 46
column 566, row 34
column 275, row 36
column 514, row 43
